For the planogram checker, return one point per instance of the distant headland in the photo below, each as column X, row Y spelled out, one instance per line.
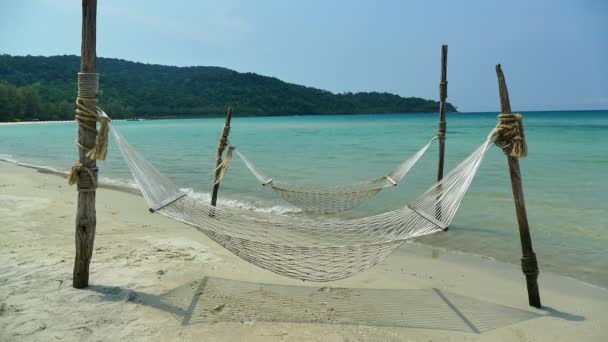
column 44, row 88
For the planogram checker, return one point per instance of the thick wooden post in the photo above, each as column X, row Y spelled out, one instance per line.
column 443, row 94
column 218, row 156
column 528, row 261
column 85, row 215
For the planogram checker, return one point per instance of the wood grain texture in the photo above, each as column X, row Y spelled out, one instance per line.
column 529, row 262
column 86, row 219
column 218, row 156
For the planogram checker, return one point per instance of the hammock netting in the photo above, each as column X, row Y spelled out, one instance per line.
column 306, row 248
column 332, row 199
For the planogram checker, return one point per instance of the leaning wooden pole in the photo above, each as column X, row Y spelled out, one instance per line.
column 513, row 144
column 87, row 169
column 443, row 95
column 218, row 156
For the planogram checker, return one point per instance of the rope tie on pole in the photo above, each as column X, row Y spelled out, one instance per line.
column 223, row 141
column 511, row 138
column 88, row 113
column 441, row 131
column 225, row 164
column 443, row 90
column 529, row 265
column 87, row 116
column 85, row 184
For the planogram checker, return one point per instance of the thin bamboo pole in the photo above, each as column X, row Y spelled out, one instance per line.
column 218, row 156
column 86, row 220
column 529, row 264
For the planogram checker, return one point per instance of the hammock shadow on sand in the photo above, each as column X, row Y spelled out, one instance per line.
column 212, row 300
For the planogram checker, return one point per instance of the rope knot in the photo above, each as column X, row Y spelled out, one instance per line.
column 86, row 183
column 511, row 137
column 73, row 177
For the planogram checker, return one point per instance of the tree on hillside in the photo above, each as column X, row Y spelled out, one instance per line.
column 44, row 87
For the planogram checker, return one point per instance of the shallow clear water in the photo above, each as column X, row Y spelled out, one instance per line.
column 565, row 190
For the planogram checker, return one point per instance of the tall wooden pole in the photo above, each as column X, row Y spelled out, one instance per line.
column 443, row 95
column 218, row 156
column 441, row 131
column 528, row 261
column 85, row 216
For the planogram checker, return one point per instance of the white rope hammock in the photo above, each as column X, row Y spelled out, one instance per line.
column 332, row 199
column 315, row 249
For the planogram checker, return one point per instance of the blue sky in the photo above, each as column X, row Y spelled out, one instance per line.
column 554, row 53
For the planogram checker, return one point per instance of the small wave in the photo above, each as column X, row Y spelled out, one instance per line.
column 8, row 158
column 275, row 209
column 129, row 185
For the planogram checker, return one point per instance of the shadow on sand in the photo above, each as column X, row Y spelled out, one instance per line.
column 223, row 300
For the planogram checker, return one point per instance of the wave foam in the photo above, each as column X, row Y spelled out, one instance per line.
column 275, row 209
column 130, row 186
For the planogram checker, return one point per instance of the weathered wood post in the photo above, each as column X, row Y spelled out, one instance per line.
column 443, row 94
column 218, row 156
column 512, row 142
column 87, row 173
column 441, row 131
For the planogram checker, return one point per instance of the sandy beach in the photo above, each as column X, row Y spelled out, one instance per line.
column 153, row 279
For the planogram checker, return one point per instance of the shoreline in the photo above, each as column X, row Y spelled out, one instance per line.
column 146, row 270
column 64, row 174
column 131, row 189
column 219, row 116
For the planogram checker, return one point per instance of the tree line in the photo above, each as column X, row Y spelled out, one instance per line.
column 44, row 88
column 24, row 103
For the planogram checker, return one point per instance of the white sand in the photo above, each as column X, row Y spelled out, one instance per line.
column 148, row 284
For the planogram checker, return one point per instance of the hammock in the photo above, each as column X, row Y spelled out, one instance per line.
column 314, row 249
column 332, row 199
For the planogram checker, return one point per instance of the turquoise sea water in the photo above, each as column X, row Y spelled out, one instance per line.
column 564, row 177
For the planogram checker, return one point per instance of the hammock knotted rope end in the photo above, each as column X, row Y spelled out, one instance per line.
column 100, row 150
column 73, row 176
column 224, row 165
column 520, row 148
column 511, row 137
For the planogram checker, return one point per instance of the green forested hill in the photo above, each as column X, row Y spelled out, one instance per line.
column 45, row 88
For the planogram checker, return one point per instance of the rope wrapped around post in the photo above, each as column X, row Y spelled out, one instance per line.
column 85, row 184
column 441, row 131
column 222, row 168
column 511, row 137
column 87, row 116
column 443, row 95
column 443, row 90
column 529, row 265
